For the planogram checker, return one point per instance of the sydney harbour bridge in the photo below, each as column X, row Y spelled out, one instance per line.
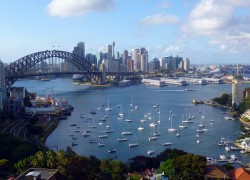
column 28, row 66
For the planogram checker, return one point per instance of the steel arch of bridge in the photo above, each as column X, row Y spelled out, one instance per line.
column 20, row 67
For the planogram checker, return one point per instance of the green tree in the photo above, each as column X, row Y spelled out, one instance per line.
column 229, row 167
column 5, row 164
column 22, row 151
column 135, row 177
column 190, row 166
column 168, row 168
column 117, row 169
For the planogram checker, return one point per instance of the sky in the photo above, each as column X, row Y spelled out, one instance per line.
column 205, row 31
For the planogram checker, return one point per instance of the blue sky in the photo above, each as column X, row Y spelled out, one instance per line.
column 206, row 31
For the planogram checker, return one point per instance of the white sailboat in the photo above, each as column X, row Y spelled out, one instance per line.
column 153, row 123
column 108, row 108
column 120, row 114
column 167, row 143
column 182, row 125
column 201, row 125
column 159, row 120
column 135, row 143
column 198, row 140
column 172, row 129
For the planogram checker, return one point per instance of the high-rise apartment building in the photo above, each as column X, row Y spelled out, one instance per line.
column 143, row 59
column 134, row 56
column 186, row 64
column 236, row 93
column 117, row 55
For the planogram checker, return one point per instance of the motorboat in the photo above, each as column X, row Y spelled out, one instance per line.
column 178, row 134
column 157, row 134
column 150, row 152
column 233, row 157
column 227, row 148
column 133, row 144
column 99, row 109
column 122, row 139
column 100, row 144
column 172, row 130
column 228, row 117
column 82, row 116
column 127, row 133
column 128, row 120
column 222, row 157
column 109, row 131
column 136, row 107
column 92, row 112
column 201, row 125
column 112, row 150
column 152, row 124
column 140, row 128
column 77, row 130
column 152, row 138
column 92, row 126
column 166, row 143
column 85, row 134
column 102, row 119
column 92, row 141
column 73, row 124
column 74, row 144
column 103, row 136
column 143, row 120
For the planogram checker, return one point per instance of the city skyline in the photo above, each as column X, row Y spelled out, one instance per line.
column 205, row 31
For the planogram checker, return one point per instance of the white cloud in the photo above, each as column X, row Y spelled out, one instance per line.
column 218, row 20
column 66, row 8
column 174, row 49
column 159, row 19
column 163, row 5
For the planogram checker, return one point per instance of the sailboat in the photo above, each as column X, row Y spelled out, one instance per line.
column 182, row 125
column 134, row 144
column 198, row 140
column 201, row 125
column 153, row 123
column 159, row 120
column 93, row 125
column 178, row 134
column 140, row 128
column 120, row 114
column 167, row 143
column 172, row 129
column 157, row 133
column 150, row 151
column 122, row 139
column 108, row 108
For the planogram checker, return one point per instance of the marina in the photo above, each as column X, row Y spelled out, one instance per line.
column 145, row 97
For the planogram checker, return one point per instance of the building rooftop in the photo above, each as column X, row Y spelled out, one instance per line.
column 46, row 174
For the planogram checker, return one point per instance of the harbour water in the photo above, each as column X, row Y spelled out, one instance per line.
column 85, row 99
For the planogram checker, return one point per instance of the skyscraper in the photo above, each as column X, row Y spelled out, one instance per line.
column 2, row 85
column 130, row 66
column 80, row 50
column 186, row 64
column 109, row 51
column 125, row 57
column 134, row 54
column 99, row 58
column 236, row 93
column 117, row 55
column 143, row 59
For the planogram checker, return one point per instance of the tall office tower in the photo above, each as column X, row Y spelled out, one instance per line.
column 130, row 66
column 134, row 56
column 236, row 93
column 80, row 50
column 117, row 55
column 162, row 63
column 91, row 58
column 2, row 86
column 113, row 44
column 238, row 70
column 186, row 64
column 99, row 58
column 109, row 51
column 125, row 57
column 156, row 64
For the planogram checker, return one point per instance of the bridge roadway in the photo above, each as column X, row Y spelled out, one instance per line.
column 98, row 73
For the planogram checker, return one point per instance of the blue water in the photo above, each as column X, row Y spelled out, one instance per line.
column 85, row 99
